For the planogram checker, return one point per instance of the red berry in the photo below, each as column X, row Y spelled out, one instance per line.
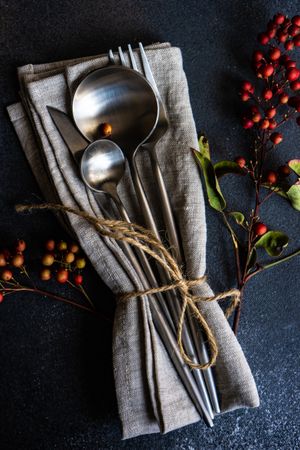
column 244, row 96
column 264, row 124
column 1, row 297
column 105, row 130
column 240, row 160
column 3, row 261
column 17, row 260
column 267, row 70
column 295, row 85
column 289, row 64
column 282, row 36
column 50, row 245
column 271, row 33
column 247, row 123
column 293, row 30
column 274, row 54
column 289, row 45
column 20, row 245
column 256, row 117
column 267, row 94
column 74, row 248
column 258, row 56
column 296, row 40
column 247, row 86
column 69, row 257
column 292, row 74
column 272, row 124
column 271, row 177
column 6, row 275
column 78, row 279
column 270, row 113
column 260, row 229
column 62, row 276
column 48, row 259
column 263, row 38
column 296, row 21
column 62, row 246
column 279, row 18
column 257, row 66
column 45, row 274
column 283, row 98
column 276, row 138
column 284, row 171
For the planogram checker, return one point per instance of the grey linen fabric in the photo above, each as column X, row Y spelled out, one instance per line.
column 151, row 398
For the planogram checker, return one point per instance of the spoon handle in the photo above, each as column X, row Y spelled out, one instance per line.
column 173, row 301
column 144, row 263
column 165, row 330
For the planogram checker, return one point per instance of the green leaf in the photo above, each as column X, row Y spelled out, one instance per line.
column 294, row 195
column 214, row 194
column 277, row 189
column 226, row 167
column 273, row 242
column 252, row 259
column 238, row 217
column 294, row 164
column 204, row 146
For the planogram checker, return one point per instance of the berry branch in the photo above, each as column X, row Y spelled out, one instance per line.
column 61, row 261
column 270, row 105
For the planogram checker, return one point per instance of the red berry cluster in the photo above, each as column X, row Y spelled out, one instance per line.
column 270, row 177
column 10, row 259
column 64, row 259
column 280, row 75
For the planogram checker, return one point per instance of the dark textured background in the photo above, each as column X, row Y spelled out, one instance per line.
column 56, row 383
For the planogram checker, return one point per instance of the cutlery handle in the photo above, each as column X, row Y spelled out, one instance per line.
column 164, row 328
column 166, row 206
column 144, row 263
column 173, row 300
column 177, row 253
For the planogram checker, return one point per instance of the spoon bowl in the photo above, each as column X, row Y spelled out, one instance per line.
column 120, row 97
column 102, row 163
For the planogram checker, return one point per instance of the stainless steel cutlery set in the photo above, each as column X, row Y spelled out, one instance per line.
column 130, row 101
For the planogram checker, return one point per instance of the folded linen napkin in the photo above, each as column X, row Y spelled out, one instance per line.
column 150, row 396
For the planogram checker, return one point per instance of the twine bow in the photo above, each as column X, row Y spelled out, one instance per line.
column 144, row 239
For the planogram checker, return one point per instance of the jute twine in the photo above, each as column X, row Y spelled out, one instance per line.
column 138, row 236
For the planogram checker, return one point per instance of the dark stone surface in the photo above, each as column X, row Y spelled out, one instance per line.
column 56, row 383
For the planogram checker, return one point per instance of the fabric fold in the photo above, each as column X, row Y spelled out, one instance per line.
column 150, row 396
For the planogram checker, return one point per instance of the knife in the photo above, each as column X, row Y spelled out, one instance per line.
column 68, row 131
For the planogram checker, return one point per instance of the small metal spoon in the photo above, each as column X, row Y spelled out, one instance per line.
column 102, row 167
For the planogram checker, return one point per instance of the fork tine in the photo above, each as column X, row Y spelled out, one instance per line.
column 121, row 55
column 111, row 57
column 132, row 58
column 147, row 69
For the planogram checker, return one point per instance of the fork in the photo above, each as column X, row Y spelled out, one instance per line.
column 161, row 129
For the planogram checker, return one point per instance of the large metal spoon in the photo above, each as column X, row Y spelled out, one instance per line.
column 124, row 98
column 102, row 167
